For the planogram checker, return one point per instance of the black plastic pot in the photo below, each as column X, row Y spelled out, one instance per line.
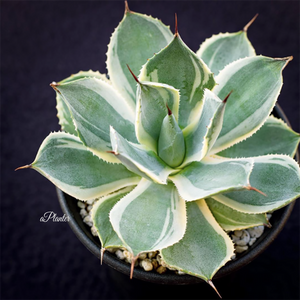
column 279, row 218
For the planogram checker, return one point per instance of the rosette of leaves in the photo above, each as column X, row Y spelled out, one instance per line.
column 180, row 154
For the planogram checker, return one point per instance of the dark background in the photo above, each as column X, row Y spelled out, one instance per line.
column 46, row 41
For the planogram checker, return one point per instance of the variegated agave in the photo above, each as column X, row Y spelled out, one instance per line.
column 174, row 163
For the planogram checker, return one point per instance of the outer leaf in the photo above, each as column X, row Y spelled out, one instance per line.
column 202, row 134
column 230, row 219
column 100, row 217
column 180, row 67
column 63, row 112
column 95, row 106
column 66, row 162
column 278, row 176
column 256, row 83
column 139, row 160
column 224, row 48
column 210, row 177
column 135, row 40
column 151, row 109
column 205, row 247
column 274, row 137
column 150, row 218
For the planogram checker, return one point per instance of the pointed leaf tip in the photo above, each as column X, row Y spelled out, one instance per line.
column 132, row 266
column 54, row 86
column 101, row 255
column 169, row 110
column 24, row 167
column 135, row 78
column 226, row 98
column 213, row 286
column 286, row 59
column 249, row 23
column 112, row 152
column 176, row 25
column 127, row 10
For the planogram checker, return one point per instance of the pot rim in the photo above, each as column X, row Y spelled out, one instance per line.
column 82, row 231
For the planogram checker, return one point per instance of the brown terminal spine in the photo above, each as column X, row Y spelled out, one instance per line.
column 169, row 110
column 176, row 25
column 135, row 78
column 226, row 98
column 249, row 23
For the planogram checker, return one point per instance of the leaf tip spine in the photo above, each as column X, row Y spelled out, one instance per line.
column 112, row 152
column 286, row 59
column 135, row 78
column 54, row 85
column 133, row 260
column 24, row 167
column 169, row 110
column 251, row 188
column 213, row 286
column 249, row 23
column 176, row 26
column 101, row 255
column 127, row 10
column 226, row 98
column 268, row 224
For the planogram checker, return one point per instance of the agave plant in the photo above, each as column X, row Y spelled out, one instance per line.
column 179, row 154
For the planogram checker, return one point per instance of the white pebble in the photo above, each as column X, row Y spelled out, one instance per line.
column 88, row 220
column 83, row 213
column 94, row 231
column 251, row 242
column 233, row 256
column 240, row 249
column 119, row 254
column 180, row 273
column 158, row 258
column 154, row 263
column 146, row 264
column 245, row 238
column 91, row 201
column 238, row 233
column 161, row 269
column 89, row 208
column 127, row 255
column 143, row 256
column 152, row 254
column 80, row 204
column 256, row 232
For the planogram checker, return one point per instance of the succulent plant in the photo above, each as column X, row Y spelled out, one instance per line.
column 179, row 154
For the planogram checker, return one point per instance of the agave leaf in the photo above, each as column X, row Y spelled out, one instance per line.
column 94, row 106
column 152, row 101
column 151, row 217
column 135, row 40
column 171, row 144
column 180, row 67
column 63, row 112
column 274, row 137
column 212, row 176
column 65, row 161
column 224, row 48
column 100, row 217
column 202, row 134
column 205, row 247
column 256, row 83
column 139, row 160
column 278, row 176
column 230, row 219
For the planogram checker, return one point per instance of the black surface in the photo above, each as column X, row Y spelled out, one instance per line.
column 46, row 41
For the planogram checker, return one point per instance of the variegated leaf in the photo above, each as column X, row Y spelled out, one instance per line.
column 224, row 48
column 63, row 112
column 139, row 160
column 210, row 177
column 256, row 83
column 94, row 106
column 65, row 161
column 151, row 217
column 274, row 137
column 202, row 134
column 180, row 67
column 278, row 176
column 152, row 99
column 205, row 247
column 135, row 40
column 230, row 219
column 100, row 217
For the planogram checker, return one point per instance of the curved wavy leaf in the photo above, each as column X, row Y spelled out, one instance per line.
column 205, row 247
column 180, row 67
column 65, row 161
column 147, row 222
column 135, row 40
column 256, row 83
column 278, row 176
